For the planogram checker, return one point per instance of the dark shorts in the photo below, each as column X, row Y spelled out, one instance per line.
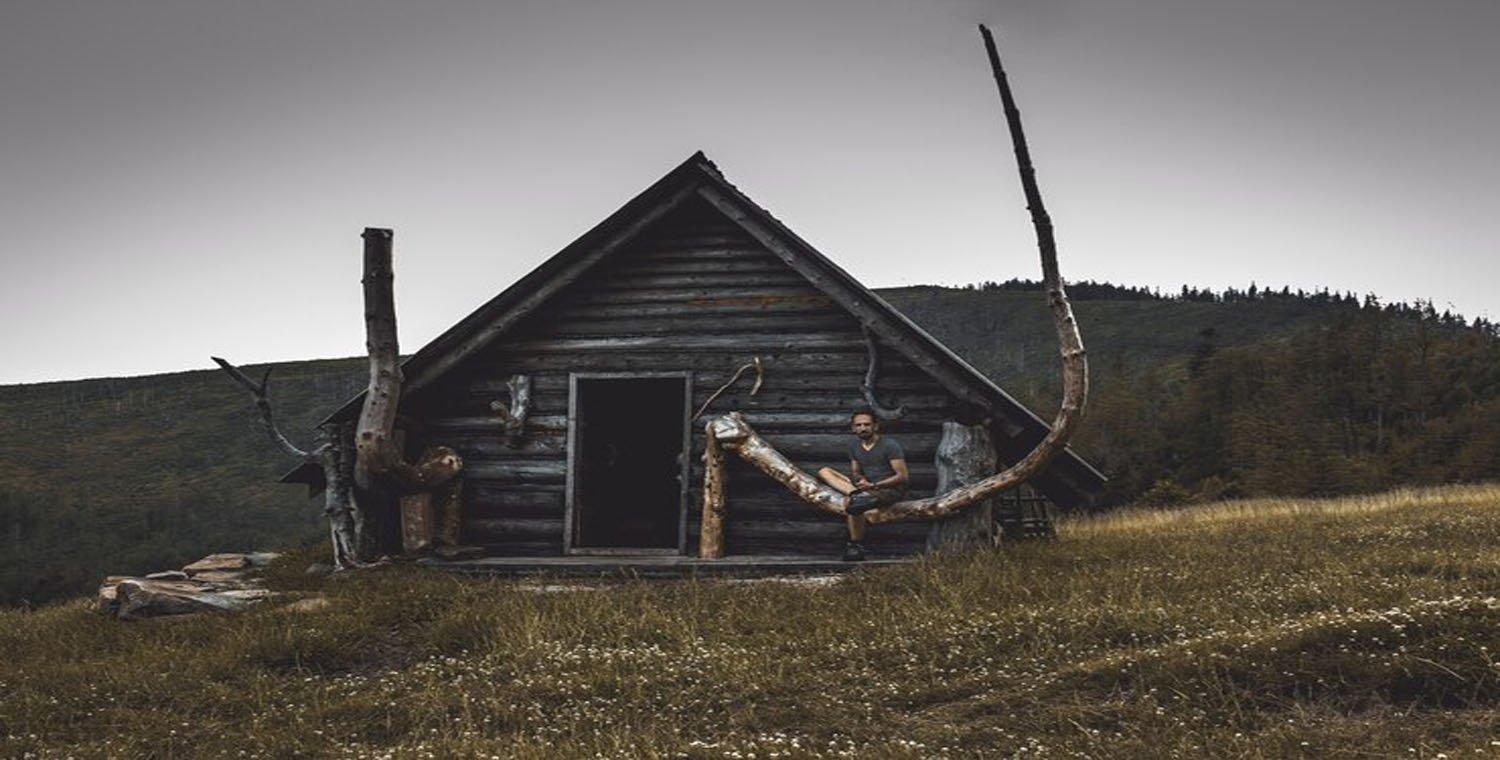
column 885, row 497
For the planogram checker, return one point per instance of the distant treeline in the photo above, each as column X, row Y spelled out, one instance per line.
column 1088, row 290
column 1204, row 395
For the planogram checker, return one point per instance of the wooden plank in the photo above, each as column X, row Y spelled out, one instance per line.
column 693, row 323
column 765, row 297
column 578, row 310
column 788, row 531
column 517, row 471
column 730, row 239
column 514, row 494
column 781, row 361
column 529, row 446
column 436, row 426
column 605, row 282
column 700, row 262
column 739, row 343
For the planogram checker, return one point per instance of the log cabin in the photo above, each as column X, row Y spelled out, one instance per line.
column 688, row 302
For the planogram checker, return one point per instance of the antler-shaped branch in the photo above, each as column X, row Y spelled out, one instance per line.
column 760, row 376
column 868, row 389
column 262, row 403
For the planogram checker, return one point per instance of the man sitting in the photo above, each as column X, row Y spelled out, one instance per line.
column 877, row 477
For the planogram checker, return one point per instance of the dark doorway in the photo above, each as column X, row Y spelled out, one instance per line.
column 626, row 490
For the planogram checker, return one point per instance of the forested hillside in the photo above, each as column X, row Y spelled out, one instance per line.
column 1202, row 396
column 129, row 475
column 1194, row 397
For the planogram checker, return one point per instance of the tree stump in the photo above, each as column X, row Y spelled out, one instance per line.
column 965, row 455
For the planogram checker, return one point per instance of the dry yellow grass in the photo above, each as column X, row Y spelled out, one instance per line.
column 1357, row 627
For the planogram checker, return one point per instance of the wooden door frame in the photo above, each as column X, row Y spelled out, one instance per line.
column 570, row 489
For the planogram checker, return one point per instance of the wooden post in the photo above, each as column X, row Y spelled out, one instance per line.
column 966, row 454
column 448, row 510
column 711, row 537
column 416, row 523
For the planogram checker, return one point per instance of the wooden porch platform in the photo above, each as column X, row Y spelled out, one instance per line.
column 655, row 566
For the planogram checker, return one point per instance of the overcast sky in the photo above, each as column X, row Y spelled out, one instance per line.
column 180, row 178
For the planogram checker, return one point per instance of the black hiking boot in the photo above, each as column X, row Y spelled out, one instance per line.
column 861, row 503
column 854, row 551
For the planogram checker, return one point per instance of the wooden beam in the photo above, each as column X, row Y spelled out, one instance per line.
column 711, row 534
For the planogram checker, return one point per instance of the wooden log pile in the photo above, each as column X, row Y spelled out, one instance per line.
column 216, row 583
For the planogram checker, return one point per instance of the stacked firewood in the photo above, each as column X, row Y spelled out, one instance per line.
column 216, row 583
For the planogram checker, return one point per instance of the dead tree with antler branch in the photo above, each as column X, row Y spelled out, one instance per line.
column 376, row 463
column 345, row 519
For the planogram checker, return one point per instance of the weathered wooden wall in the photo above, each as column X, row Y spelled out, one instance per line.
column 693, row 293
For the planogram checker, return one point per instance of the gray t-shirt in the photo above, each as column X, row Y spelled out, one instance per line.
column 876, row 462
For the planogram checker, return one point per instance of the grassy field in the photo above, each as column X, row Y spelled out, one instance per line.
column 1357, row 627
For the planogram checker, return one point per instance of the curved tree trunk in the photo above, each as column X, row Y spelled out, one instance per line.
column 735, row 434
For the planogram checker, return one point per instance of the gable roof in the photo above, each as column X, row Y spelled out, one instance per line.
column 1069, row 481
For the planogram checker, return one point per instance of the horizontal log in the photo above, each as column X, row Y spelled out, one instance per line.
column 751, row 342
column 729, row 240
column 697, row 323
column 697, row 262
column 775, row 362
column 520, row 493
column 479, row 510
column 530, row 445
column 767, row 296
column 485, row 499
column 517, row 471
column 616, row 281
column 504, row 531
column 826, row 531
column 436, row 426
column 571, row 310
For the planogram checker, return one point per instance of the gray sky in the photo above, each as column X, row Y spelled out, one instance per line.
column 180, row 178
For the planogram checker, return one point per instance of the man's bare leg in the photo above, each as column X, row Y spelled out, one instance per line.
column 840, row 482
column 836, row 480
column 856, row 528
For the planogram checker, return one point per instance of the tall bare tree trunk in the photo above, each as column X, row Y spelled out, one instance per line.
column 736, row 435
column 381, row 465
